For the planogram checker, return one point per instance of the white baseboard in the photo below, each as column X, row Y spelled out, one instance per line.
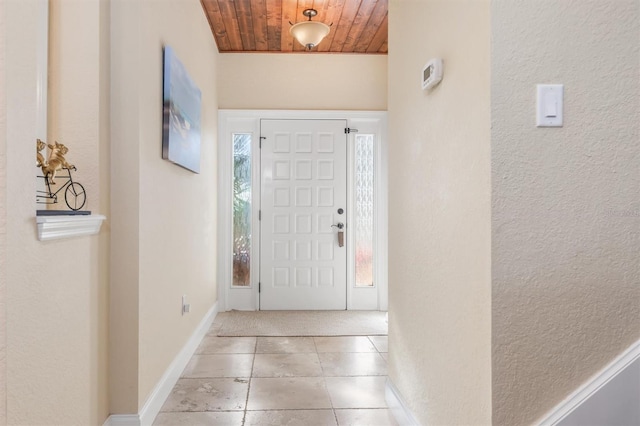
column 154, row 403
column 590, row 388
column 399, row 410
column 122, row 420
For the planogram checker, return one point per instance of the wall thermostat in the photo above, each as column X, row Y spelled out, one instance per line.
column 432, row 73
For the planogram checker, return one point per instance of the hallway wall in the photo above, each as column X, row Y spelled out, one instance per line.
column 78, row 115
column 56, row 339
column 439, row 211
column 3, row 224
column 164, row 216
column 302, row 81
column 566, row 201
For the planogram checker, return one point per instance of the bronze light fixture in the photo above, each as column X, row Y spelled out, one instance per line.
column 309, row 33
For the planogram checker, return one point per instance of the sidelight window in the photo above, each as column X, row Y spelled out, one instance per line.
column 241, row 209
column 364, row 208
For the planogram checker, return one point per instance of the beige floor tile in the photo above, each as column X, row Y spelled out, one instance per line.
column 227, row 345
column 280, row 345
column 344, row 344
column 288, row 393
column 380, row 342
column 378, row 417
column 219, row 365
column 207, row 395
column 352, row 364
column 291, row 418
column 286, row 365
column 357, row 392
column 223, row 418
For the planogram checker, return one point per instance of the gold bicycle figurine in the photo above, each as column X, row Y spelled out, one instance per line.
column 75, row 195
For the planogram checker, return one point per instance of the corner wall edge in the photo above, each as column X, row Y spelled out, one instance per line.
column 398, row 408
column 163, row 388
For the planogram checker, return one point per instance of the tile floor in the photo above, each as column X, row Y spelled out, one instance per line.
column 302, row 381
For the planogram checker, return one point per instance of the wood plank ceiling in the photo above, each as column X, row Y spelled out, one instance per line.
column 359, row 26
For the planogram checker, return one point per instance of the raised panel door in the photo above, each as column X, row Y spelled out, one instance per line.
column 303, row 184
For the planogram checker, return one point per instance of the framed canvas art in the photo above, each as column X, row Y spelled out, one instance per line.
column 181, row 115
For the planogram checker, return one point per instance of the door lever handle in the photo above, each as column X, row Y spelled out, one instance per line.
column 340, row 227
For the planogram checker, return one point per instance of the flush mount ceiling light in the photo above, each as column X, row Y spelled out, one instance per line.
column 309, row 33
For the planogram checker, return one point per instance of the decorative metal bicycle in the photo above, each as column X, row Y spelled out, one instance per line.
column 74, row 195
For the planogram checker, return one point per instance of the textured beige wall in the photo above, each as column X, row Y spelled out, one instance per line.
column 439, row 215
column 179, row 259
column 3, row 224
column 566, row 201
column 53, row 289
column 100, row 331
column 302, row 81
column 125, row 209
column 169, row 213
column 78, row 118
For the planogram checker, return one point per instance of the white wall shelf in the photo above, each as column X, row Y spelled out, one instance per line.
column 57, row 227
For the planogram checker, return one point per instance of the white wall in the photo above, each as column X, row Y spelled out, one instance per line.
column 56, row 338
column 566, row 201
column 439, row 212
column 165, row 244
column 302, row 81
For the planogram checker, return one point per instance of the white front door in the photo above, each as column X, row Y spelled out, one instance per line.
column 303, row 193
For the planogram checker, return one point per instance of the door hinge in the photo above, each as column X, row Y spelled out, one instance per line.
column 348, row 130
column 261, row 138
column 259, row 214
column 259, row 287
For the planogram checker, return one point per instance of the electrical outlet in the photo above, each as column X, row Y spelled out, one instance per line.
column 185, row 306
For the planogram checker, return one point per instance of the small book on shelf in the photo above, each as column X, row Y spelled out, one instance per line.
column 63, row 212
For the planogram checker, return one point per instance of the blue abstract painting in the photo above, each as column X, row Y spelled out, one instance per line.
column 181, row 115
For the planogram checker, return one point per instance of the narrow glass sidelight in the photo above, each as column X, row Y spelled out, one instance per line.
column 241, row 210
column 364, row 208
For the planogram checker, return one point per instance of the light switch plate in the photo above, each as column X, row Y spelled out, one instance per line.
column 549, row 105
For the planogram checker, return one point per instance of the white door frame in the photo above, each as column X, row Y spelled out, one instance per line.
column 248, row 121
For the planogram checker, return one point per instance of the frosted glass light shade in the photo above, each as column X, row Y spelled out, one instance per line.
column 309, row 33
